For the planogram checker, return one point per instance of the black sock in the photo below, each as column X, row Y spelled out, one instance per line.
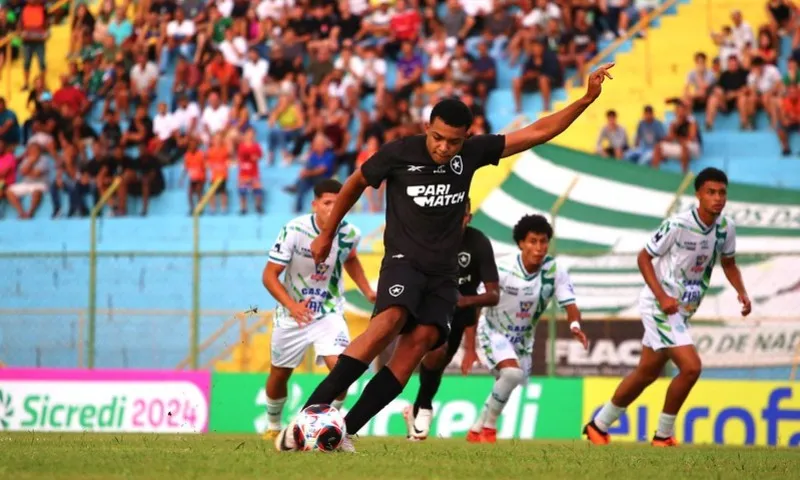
column 382, row 389
column 429, row 381
column 344, row 373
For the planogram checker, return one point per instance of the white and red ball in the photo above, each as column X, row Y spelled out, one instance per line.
column 319, row 427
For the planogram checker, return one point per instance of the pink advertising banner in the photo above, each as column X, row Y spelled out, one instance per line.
column 147, row 401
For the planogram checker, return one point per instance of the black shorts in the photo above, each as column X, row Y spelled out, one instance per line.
column 429, row 299
column 462, row 318
column 223, row 188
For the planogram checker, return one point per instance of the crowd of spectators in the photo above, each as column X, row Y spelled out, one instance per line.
column 281, row 81
column 742, row 77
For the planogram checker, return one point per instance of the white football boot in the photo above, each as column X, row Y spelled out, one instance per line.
column 347, row 444
column 420, row 426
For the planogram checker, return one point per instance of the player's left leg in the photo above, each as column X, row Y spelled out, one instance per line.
column 389, row 382
column 419, row 417
column 422, row 333
column 288, row 344
column 689, row 366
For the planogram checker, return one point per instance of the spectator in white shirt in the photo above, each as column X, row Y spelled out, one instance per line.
column 180, row 36
column 144, row 76
column 214, row 119
column 374, row 79
column 742, row 32
column 763, row 84
column 164, row 125
column 186, row 116
column 254, row 76
column 234, row 47
column 273, row 9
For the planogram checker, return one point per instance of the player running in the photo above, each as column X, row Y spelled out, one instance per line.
column 686, row 248
column 310, row 298
column 528, row 282
column 427, row 180
column 476, row 266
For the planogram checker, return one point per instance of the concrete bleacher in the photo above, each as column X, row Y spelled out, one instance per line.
column 144, row 286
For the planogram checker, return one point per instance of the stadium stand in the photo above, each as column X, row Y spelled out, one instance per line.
column 651, row 68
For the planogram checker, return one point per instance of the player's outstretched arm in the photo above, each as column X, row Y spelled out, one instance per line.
column 546, row 128
column 348, row 196
column 734, row 276
column 354, row 268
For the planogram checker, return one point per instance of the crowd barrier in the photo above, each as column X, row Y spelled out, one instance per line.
column 717, row 412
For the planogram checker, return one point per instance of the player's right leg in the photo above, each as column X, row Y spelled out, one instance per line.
column 687, row 360
column 287, row 346
column 501, row 357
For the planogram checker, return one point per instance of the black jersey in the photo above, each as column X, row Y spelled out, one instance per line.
column 476, row 263
column 425, row 201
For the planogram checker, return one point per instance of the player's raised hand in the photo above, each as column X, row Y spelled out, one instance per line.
column 301, row 313
column 668, row 304
column 470, row 357
column 578, row 335
column 746, row 306
column 596, row 79
column 321, row 248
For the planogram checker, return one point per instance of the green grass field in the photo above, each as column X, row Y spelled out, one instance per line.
column 38, row 455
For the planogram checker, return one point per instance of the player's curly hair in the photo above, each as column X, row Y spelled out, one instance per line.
column 709, row 174
column 532, row 224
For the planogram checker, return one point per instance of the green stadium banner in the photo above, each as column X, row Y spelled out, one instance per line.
column 545, row 408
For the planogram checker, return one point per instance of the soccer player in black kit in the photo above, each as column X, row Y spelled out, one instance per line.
column 427, row 180
column 476, row 266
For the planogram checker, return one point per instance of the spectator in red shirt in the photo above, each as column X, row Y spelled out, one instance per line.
column 71, row 96
column 404, row 27
column 249, row 153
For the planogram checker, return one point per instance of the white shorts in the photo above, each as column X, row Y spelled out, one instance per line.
column 25, row 189
column 494, row 347
column 662, row 330
column 674, row 150
column 329, row 336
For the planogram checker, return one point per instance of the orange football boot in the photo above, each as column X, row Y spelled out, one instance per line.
column 595, row 435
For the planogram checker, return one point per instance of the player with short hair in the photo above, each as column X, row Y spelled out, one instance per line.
column 310, row 298
column 685, row 249
column 427, row 179
column 528, row 282
column 476, row 266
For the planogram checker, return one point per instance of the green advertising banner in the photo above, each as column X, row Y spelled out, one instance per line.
column 545, row 408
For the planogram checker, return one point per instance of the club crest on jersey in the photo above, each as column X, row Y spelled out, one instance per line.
column 396, row 290
column 525, row 309
column 320, row 272
column 464, row 259
column 457, row 164
column 699, row 263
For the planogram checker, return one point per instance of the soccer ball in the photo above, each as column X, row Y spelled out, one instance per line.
column 319, row 427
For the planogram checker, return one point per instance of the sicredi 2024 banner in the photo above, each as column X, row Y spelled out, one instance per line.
column 104, row 400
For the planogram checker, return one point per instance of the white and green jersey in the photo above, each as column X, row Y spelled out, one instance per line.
column 323, row 284
column 686, row 251
column 523, row 298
